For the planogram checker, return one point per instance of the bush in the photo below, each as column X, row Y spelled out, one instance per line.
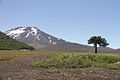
column 79, row 60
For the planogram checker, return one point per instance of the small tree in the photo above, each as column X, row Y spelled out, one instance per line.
column 97, row 40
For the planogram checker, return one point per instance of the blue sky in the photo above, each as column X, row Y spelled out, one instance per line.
column 72, row 20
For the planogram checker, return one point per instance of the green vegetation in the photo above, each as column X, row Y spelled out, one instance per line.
column 7, row 43
column 6, row 55
column 81, row 60
column 5, row 58
column 65, row 60
column 97, row 40
column 10, row 55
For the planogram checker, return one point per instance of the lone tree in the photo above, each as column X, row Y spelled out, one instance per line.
column 97, row 40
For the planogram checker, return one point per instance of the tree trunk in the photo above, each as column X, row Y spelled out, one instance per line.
column 95, row 48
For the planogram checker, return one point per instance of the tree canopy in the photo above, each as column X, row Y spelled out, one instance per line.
column 97, row 40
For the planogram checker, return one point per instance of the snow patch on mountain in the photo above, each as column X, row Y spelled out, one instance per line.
column 50, row 39
column 38, row 37
column 27, row 34
column 34, row 30
column 16, row 35
column 16, row 32
column 54, row 43
column 59, row 38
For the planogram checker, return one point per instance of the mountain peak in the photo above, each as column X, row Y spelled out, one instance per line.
column 33, row 36
column 32, row 30
column 40, row 40
column 16, row 32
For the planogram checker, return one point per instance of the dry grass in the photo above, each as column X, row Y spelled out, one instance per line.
column 9, row 55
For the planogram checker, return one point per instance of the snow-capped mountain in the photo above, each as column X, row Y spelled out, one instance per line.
column 40, row 40
column 34, row 37
column 32, row 32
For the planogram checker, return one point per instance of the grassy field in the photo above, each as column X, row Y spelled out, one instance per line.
column 10, row 55
column 66, row 60
column 45, row 65
column 81, row 60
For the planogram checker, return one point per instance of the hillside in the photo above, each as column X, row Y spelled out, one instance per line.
column 40, row 40
column 7, row 43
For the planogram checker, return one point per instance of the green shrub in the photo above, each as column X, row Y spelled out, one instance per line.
column 80, row 60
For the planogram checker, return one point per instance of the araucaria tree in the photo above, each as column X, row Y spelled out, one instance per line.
column 97, row 40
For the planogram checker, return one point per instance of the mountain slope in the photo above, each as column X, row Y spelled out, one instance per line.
column 40, row 40
column 43, row 41
column 7, row 43
column 33, row 37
